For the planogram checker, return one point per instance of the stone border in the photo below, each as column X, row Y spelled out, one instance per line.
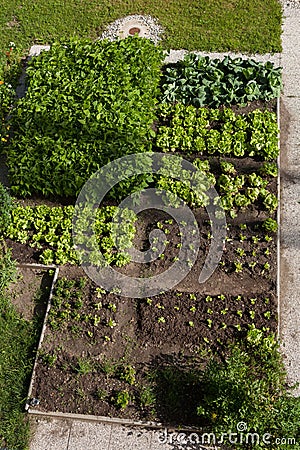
column 56, row 271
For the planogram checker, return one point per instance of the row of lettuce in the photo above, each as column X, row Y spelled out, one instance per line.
column 88, row 103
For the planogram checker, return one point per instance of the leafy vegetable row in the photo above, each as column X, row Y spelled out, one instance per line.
column 49, row 229
column 201, row 81
column 236, row 191
column 217, row 132
column 86, row 104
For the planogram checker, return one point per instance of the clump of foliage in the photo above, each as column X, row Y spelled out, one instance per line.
column 201, row 81
column 191, row 130
column 87, row 103
column 250, row 386
column 270, row 225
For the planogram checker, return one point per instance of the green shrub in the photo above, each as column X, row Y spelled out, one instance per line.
column 6, row 207
column 250, row 387
column 87, row 103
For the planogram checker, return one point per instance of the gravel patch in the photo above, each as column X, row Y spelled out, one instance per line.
column 149, row 28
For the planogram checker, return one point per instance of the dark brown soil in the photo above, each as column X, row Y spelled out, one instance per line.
column 167, row 339
column 30, row 292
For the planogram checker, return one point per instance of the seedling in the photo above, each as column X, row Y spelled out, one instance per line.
column 209, row 311
column 176, row 308
column 224, row 311
column 191, row 323
column 96, row 320
column 240, row 252
column 242, row 237
column 159, row 306
column 111, row 323
column 238, row 266
column 239, row 313
column 208, row 298
column 193, row 296
column 101, row 394
column 267, row 314
column 238, row 327
column 121, row 399
column 112, row 307
column 268, row 238
column 149, row 301
column 209, row 323
column 255, row 239
column 252, row 314
column 127, row 373
column 193, row 309
column 83, row 367
column 161, row 320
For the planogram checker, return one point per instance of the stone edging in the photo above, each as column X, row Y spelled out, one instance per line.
column 56, row 271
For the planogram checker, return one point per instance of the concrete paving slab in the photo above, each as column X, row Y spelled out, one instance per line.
column 50, row 434
column 89, row 435
column 126, row 438
column 161, row 441
column 289, row 320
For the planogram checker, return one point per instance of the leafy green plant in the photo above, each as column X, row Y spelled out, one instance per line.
column 270, row 225
column 147, row 396
column 205, row 131
column 121, row 399
column 202, row 81
column 127, row 373
column 44, row 226
column 104, row 95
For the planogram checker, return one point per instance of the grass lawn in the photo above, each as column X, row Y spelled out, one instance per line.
column 210, row 25
column 19, row 339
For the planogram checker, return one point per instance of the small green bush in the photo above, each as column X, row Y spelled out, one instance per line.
column 270, row 225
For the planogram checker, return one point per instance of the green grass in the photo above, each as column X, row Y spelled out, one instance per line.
column 18, row 341
column 211, row 25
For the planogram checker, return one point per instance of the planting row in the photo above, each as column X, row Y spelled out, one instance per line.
column 49, row 229
column 217, row 132
column 203, row 81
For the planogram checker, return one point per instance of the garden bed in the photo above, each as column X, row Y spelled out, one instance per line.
column 155, row 349
column 146, row 359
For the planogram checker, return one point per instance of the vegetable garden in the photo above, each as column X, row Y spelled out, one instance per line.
column 199, row 354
